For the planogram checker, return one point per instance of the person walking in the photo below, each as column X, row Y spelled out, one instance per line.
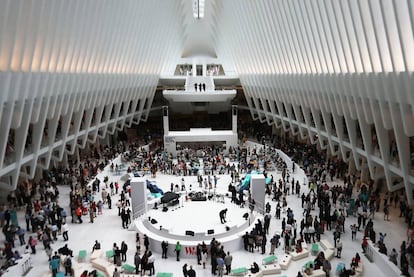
column 65, row 229
column 177, row 250
column 227, row 262
column 338, row 248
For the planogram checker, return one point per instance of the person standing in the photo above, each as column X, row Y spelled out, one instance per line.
column 386, row 212
column 68, row 266
column 32, row 242
column 151, row 261
column 124, row 249
column 146, row 242
column 338, row 248
column 177, row 250
column 227, row 261
column 191, row 272
column 204, row 258
column 199, row 254
column 116, row 273
column 54, row 266
column 393, row 256
column 354, row 231
column 65, row 229
column 220, row 266
column 109, row 201
column 137, row 262
column 185, row 270
column 164, row 247
column 264, row 241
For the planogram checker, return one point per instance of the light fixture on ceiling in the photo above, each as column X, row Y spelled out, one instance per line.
column 198, row 9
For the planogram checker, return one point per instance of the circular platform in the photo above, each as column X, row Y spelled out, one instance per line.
column 195, row 221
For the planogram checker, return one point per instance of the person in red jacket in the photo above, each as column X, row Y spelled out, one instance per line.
column 364, row 244
column 79, row 214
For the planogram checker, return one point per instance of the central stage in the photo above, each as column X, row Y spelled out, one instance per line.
column 198, row 216
column 195, row 221
column 175, row 140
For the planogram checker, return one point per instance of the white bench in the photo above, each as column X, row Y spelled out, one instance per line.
column 297, row 256
column 104, row 265
column 96, row 254
column 329, row 253
column 257, row 274
column 326, row 244
column 271, row 269
column 285, row 261
column 316, row 273
column 359, row 270
column 304, row 245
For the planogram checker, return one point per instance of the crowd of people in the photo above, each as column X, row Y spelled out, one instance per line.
column 324, row 207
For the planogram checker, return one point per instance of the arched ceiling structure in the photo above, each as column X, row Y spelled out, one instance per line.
column 339, row 72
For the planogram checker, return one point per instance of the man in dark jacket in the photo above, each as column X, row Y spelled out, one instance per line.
column 191, row 272
column 137, row 262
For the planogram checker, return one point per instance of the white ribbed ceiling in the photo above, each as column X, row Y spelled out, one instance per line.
column 317, row 36
column 269, row 36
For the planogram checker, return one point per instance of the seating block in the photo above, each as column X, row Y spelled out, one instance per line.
column 271, row 269
column 285, row 261
column 316, row 273
column 82, row 255
column 128, row 268
column 258, row 274
column 329, row 253
column 96, row 254
column 360, row 268
column 109, row 254
column 269, row 259
column 104, row 266
column 315, row 249
column 239, row 271
column 164, row 274
column 297, row 256
column 326, row 244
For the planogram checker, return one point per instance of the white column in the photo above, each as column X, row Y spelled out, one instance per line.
column 138, row 196
column 257, row 189
column 204, row 69
column 234, row 119
column 165, row 121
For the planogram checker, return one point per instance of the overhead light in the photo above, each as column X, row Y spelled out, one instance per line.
column 198, row 9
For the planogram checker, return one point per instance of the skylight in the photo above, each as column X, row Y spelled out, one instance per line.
column 198, row 9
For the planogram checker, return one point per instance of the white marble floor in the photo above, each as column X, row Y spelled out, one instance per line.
column 107, row 229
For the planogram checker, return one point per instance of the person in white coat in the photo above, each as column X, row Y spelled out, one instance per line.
column 204, row 258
